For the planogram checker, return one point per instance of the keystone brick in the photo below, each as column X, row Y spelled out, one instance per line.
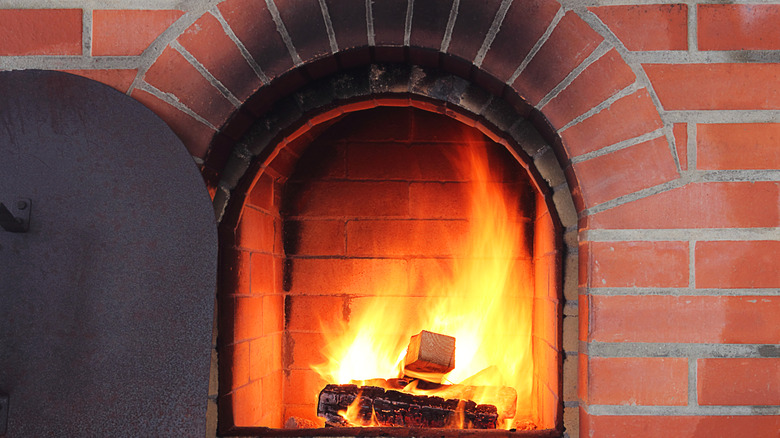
column 738, row 27
column 715, row 86
column 118, row 32
column 647, row 27
column 40, row 32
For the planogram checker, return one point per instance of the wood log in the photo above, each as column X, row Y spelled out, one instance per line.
column 429, row 356
column 379, row 407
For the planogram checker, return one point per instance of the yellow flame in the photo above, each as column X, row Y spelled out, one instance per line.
column 485, row 302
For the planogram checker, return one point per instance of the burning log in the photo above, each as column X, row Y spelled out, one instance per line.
column 374, row 406
column 429, row 356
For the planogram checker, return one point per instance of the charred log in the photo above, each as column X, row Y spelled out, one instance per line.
column 370, row 405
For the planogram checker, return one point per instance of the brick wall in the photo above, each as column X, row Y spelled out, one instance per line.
column 663, row 116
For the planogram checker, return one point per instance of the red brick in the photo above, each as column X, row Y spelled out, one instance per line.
column 600, row 80
column 262, row 274
column 247, row 321
column 207, row 42
column 569, row 44
column 696, row 319
column 119, row 79
column 523, row 25
column 394, row 161
column 247, row 406
column 273, row 314
column 738, row 381
column 583, row 371
column 306, row 350
column 195, row 135
column 315, row 238
column 313, row 313
column 744, row 264
column 474, row 20
column 282, row 163
column 347, row 276
column 350, row 199
column 171, row 73
column 715, row 86
column 40, row 32
column 302, row 386
column 239, row 364
column 664, row 426
column 738, row 146
column 235, row 274
column 647, row 27
column 625, row 171
column 428, row 29
column 698, row 205
column 439, row 200
column 272, row 408
column 265, row 356
column 256, row 230
column 643, row 381
column 639, row 264
column 252, row 23
column 308, row 411
column 626, row 118
column 680, row 132
column 406, row 237
column 738, row 27
column 349, row 22
column 389, row 22
column 306, row 27
column 119, row 32
column 261, row 194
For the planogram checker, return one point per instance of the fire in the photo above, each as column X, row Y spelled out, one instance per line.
column 485, row 301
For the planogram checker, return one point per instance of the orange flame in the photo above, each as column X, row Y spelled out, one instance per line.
column 484, row 301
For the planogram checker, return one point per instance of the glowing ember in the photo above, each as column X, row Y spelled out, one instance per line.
column 484, row 302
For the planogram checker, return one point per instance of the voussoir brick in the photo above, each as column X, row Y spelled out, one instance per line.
column 304, row 23
column 600, row 80
column 207, row 42
column 471, row 26
column 569, row 44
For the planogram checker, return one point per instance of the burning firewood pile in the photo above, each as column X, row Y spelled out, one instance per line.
column 418, row 398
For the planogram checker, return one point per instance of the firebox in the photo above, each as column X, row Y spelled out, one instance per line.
column 372, row 221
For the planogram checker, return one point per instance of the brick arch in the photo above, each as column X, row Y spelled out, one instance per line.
column 238, row 58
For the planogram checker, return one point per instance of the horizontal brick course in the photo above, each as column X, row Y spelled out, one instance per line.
column 118, row 32
column 346, row 276
column 738, row 27
column 664, row 426
column 639, row 264
column 694, row 319
column 718, row 205
column 349, row 199
column 315, row 237
column 399, row 238
column 745, row 264
column 312, row 313
column 40, row 32
column 647, row 27
column 638, row 381
column 256, row 230
column 754, row 381
column 738, row 146
column 715, row 86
